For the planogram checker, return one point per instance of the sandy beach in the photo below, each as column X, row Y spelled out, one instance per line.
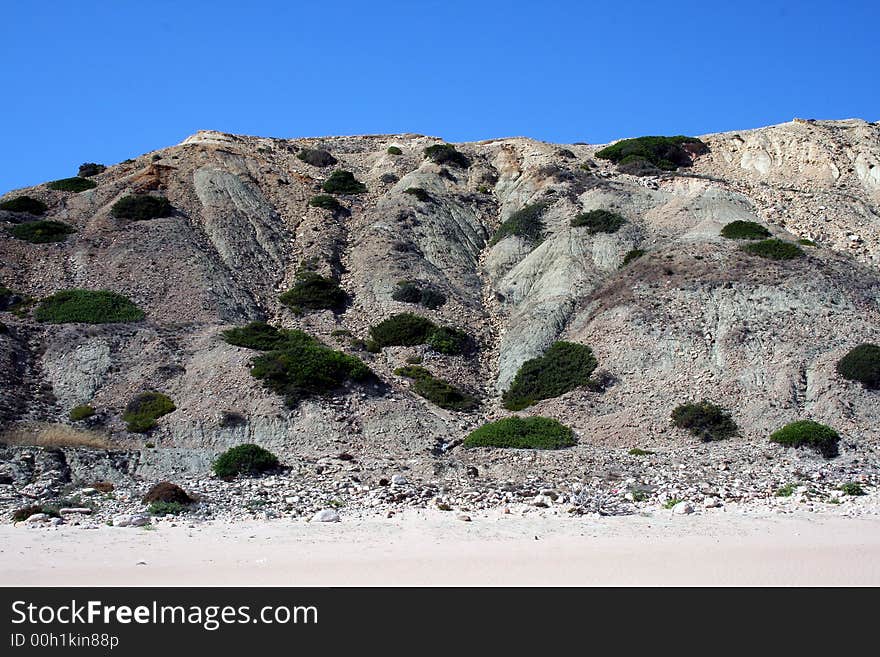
column 435, row 548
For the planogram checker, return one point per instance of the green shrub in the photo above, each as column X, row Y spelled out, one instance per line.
column 165, row 491
column 41, row 232
column 419, row 193
column 413, row 292
column 785, row 491
column 636, row 451
column 167, row 508
column 256, row 335
column 446, row 154
column 317, row 157
column 314, row 292
column 704, row 420
column 437, row 391
column 744, row 230
column 247, row 459
column 404, row 329
column 449, row 340
column 774, row 249
column 343, row 182
column 630, row 256
column 526, row 223
column 18, row 515
column 300, row 366
column 862, row 364
column 325, row 202
column 666, row 153
column 394, row 150
column 89, row 169
column 852, row 488
column 142, row 412
column 75, row 184
column 598, row 221
column 81, row 412
column 141, row 207
column 87, row 306
column 806, row 242
column 806, row 433
column 26, row 204
column 563, row 367
column 522, row 433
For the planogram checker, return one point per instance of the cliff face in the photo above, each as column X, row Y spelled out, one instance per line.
column 695, row 317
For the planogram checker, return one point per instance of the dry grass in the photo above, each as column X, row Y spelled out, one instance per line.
column 43, row 434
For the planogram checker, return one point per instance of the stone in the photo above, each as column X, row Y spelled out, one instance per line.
column 131, row 520
column 398, row 480
column 37, row 517
column 683, row 508
column 463, row 517
column 711, row 503
column 326, row 515
column 83, row 510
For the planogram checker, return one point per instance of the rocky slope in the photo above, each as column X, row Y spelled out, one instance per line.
column 693, row 318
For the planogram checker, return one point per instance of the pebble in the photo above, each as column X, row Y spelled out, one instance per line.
column 683, row 508
column 326, row 515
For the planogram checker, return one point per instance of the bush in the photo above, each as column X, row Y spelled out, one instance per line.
column 786, row 490
column 744, row 230
column 325, row 202
column 300, row 366
column 394, row 150
column 256, row 335
column 806, row 433
column 598, row 221
column 806, row 242
column 630, row 256
column 446, row 154
column 247, row 459
column 41, row 232
column 563, row 367
column 75, row 184
column 167, row 508
column 81, row 412
column 852, row 488
column 862, row 364
column 142, row 412
column 87, row 306
column 419, row 193
column 89, row 169
column 26, row 204
column 314, row 292
column 165, row 491
column 437, row 391
column 404, row 329
column 526, row 223
column 18, row 515
column 141, row 207
column 450, row 341
column 666, row 153
column 522, row 433
column 704, row 420
column 774, row 249
column 317, row 157
column 343, row 182
column 638, row 451
column 412, row 292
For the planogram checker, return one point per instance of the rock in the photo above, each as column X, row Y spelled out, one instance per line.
column 463, row 517
column 472, row 471
column 711, row 503
column 383, row 481
column 83, row 510
column 326, row 515
column 131, row 520
column 398, row 480
column 683, row 508
column 37, row 517
column 443, row 506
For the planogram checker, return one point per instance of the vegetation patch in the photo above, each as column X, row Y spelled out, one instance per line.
column 522, row 433
column 403, row 329
column 806, row 433
column 704, row 420
column 80, row 412
column 527, row 223
column 563, row 367
column 852, row 488
column 256, row 335
column 343, row 182
column 744, row 230
column 786, row 490
column 437, row 391
column 19, row 515
column 598, row 221
column 75, row 184
column 446, row 154
column 247, row 459
column 167, row 508
column 87, row 306
column 142, row 412
column 41, row 232
column 667, row 153
column 774, row 249
column 314, row 292
column 450, row 341
column 419, row 193
column 317, row 157
column 805, row 242
column 862, row 364
column 636, row 451
column 632, row 256
column 141, row 207
column 394, row 150
column 325, row 202
column 414, row 292
column 89, row 169
column 27, row 204
column 165, row 491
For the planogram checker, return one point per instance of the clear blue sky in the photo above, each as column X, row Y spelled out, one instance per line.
column 106, row 80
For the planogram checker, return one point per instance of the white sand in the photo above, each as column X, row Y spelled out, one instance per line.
column 434, row 548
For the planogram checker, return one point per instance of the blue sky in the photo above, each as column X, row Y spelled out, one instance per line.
column 106, row 80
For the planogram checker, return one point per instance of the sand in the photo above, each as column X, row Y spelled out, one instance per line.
column 435, row 548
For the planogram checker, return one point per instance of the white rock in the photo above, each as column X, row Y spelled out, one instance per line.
column 327, row 515
column 131, row 520
column 37, row 517
column 398, row 480
column 711, row 502
column 463, row 517
column 75, row 509
column 683, row 508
